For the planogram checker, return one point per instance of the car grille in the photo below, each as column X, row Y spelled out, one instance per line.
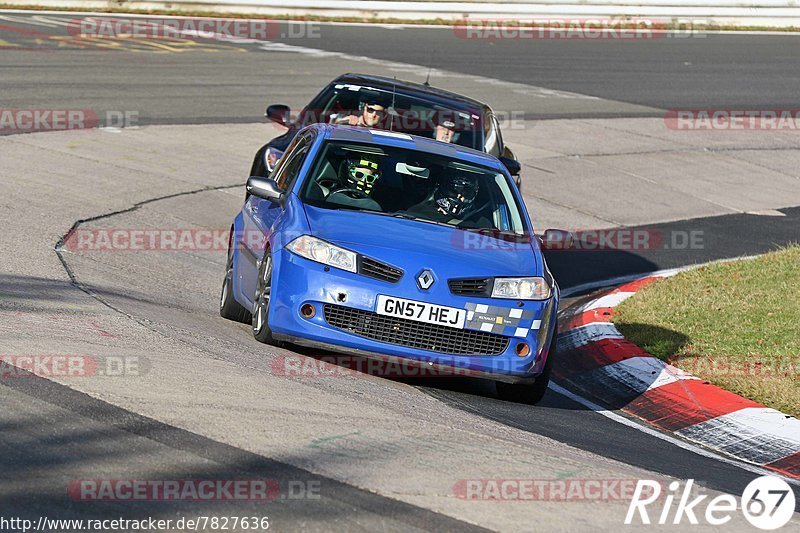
column 382, row 271
column 469, row 287
column 404, row 332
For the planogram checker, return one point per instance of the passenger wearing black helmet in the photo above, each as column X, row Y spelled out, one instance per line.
column 453, row 200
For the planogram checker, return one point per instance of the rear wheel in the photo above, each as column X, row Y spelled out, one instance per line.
column 261, row 330
column 228, row 306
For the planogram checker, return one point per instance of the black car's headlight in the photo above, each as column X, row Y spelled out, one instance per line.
column 323, row 252
column 529, row 288
column 271, row 157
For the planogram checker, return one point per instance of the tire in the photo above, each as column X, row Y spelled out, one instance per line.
column 260, row 314
column 529, row 393
column 228, row 306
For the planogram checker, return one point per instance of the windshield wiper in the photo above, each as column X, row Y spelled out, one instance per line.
column 408, row 216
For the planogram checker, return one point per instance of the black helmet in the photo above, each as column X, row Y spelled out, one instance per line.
column 362, row 173
column 456, row 194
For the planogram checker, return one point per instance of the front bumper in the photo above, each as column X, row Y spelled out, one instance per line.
column 297, row 281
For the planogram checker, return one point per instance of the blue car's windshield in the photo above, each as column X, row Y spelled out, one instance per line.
column 411, row 184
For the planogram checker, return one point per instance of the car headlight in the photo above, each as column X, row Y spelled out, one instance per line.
column 323, row 252
column 533, row 288
column 271, row 157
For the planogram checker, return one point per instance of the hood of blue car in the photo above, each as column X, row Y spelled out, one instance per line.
column 411, row 245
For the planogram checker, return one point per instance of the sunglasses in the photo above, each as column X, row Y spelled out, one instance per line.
column 375, row 110
column 360, row 175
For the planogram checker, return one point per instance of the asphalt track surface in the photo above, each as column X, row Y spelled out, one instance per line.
column 698, row 71
column 207, row 87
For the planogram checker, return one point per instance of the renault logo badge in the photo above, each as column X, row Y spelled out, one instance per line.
column 425, row 279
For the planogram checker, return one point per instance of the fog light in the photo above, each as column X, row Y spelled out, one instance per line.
column 522, row 350
column 307, row 310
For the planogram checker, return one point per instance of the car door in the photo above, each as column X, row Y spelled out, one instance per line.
column 505, row 151
column 260, row 215
column 492, row 141
column 494, row 144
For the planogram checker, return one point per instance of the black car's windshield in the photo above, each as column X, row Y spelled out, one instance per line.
column 345, row 104
column 410, row 184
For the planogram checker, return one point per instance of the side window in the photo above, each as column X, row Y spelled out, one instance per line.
column 491, row 138
column 291, row 169
column 288, row 167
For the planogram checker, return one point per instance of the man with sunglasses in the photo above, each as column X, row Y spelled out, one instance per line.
column 373, row 115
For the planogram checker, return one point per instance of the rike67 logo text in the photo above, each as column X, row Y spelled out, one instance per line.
column 767, row 503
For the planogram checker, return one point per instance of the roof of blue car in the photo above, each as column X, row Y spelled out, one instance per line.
column 405, row 140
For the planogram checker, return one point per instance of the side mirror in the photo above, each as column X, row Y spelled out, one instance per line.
column 278, row 113
column 557, row 239
column 264, row 188
column 514, row 167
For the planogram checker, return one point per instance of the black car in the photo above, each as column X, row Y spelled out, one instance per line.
column 400, row 106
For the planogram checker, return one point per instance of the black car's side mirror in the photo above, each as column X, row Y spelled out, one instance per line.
column 557, row 239
column 514, row 167
column 278, row 113
column 264, row 188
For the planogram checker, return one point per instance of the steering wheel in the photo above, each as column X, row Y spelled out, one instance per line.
column 355, row 194
column 328, row 183
column 474, row 210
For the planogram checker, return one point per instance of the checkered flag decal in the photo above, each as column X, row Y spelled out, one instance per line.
column 507, row 321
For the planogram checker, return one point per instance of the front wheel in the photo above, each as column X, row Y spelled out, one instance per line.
column 529, row 393
column 261, row 330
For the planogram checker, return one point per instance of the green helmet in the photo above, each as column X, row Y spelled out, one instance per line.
column 362, row 173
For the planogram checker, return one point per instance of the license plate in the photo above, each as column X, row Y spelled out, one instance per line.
column 421, row 311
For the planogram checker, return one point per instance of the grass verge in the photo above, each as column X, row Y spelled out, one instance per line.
column 735, row 324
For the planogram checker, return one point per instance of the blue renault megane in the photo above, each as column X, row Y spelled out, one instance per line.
column 387, row 245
